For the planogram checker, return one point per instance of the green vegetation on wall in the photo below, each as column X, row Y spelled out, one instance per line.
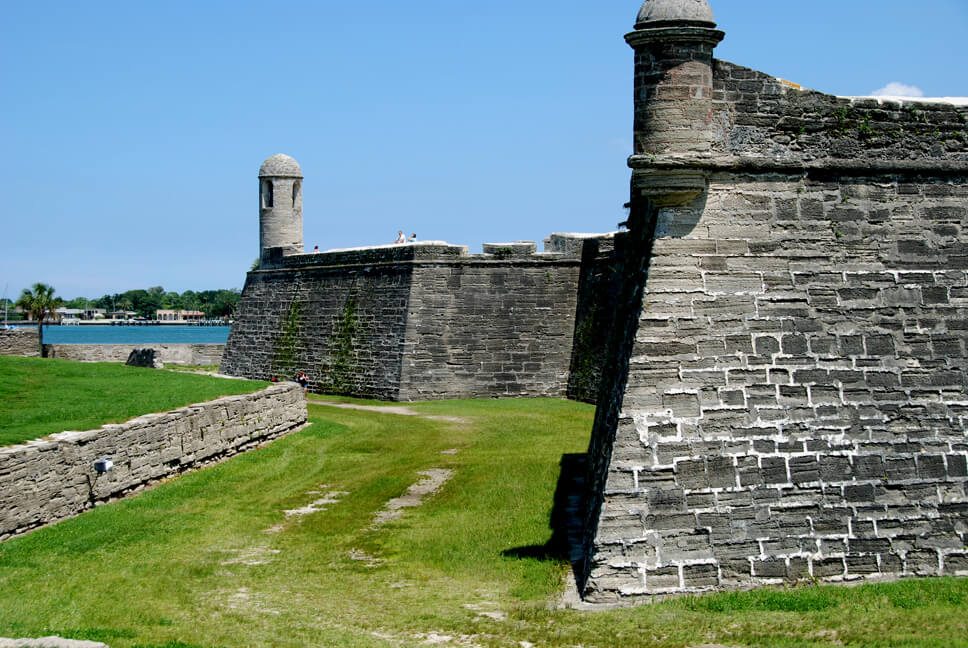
column 285, row 352
column 338, row 376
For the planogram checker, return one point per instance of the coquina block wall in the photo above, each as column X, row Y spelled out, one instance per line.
column 415, row 321
column 51, row 479
column 786, row 395
column 19, row 342
column 189, row 354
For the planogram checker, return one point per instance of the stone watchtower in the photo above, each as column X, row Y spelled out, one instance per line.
column 673, row 42
column 280, row 209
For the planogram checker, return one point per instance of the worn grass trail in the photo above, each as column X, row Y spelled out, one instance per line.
column 39, row 397
column 212, row 559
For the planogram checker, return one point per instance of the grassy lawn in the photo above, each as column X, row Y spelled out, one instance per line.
column 192, row 368
column 211, row 559
column 39, row 397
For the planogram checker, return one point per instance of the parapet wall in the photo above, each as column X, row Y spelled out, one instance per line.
column 51, row 479
column 415, row 321
column 185, row 354
column 19, row 342
column 770, row 123
column 790, row 401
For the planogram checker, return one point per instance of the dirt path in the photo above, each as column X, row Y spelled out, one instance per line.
column 433, row 480
column 400, row 410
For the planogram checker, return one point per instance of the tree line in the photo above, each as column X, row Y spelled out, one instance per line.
column 214, row 303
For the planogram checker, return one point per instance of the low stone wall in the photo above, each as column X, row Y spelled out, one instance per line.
column 188, row 354
column 52, row 479
column 19, row 342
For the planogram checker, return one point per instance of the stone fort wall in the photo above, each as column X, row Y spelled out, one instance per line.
column 20, row 342
column 414, row 322
column 185, row 354
column 789, row 399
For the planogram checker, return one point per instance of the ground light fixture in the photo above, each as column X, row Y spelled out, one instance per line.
column 103, row 465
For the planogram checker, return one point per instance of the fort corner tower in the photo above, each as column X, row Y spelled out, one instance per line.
column 280, row 209
column 673, row 42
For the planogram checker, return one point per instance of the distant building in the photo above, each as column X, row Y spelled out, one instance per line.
column 166, row 315
column 80, row 313
column 70, row 313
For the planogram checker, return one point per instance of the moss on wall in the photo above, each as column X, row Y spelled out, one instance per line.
column 286, row 350
column 338, row 376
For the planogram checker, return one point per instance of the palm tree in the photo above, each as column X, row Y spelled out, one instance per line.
column 39, row 303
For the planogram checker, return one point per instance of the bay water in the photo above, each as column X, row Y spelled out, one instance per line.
column 102, row 334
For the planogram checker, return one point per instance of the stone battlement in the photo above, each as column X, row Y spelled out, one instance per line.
column 557, row 247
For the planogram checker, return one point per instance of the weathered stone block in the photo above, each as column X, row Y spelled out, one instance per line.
column 922, row 563
column 700, row 576
column 692, row 474
column 774, row 470
column 957, row 465
column 828, row 567
column 862, row 565
column 868, row 467
column 662, row 578
column 804, row 469
column 931, row 467
column 955, row 564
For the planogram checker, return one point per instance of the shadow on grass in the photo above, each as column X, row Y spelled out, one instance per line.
column 566, row 519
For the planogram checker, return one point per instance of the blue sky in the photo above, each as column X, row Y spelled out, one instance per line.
column 133, row 131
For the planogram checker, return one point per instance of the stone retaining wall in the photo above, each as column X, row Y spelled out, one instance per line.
column 187, row 354
column 48, row 480
column 19, row 342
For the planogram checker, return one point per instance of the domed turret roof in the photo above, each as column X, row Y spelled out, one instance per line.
column 662, row 11
column 280, row 166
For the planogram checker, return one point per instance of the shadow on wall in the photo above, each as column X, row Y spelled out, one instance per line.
column 604, row 263
column 680, row 221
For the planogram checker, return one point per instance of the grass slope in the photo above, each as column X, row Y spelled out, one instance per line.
column 39, row 397
column 212, row 560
